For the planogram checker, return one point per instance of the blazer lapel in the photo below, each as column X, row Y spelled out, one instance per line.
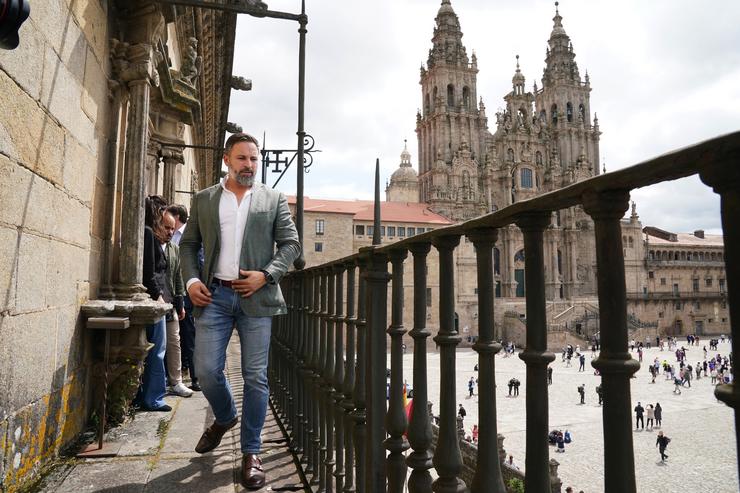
column 213, row 214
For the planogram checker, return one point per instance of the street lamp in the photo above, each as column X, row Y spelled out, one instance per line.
column 257, row 8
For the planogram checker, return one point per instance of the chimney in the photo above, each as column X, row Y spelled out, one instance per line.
column 699, row 233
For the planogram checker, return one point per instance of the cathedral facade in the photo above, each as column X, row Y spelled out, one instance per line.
column 543, row 140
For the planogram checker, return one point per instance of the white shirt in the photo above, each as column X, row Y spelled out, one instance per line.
column 233, row 221
column 177, row 235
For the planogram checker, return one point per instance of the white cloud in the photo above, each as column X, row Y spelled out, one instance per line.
column 664, row 75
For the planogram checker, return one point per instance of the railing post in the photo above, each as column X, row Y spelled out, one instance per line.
column 377, row 285
column 305, row 370
column 420, row 427
column 395, row 420
column 349, row 381
column 447, row 459
column 487, row 477
column 338, row 377
column 535, row 355
column 327, row 305
column 615, row 364
column 316, row 387
column 725, row 180
column 359, row 415
column 295, row 336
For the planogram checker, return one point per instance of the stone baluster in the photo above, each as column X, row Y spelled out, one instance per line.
column 377, row 283
column 535, row 355
column 349, row 381
column 395, row 420
column 447, row 459
column 420, row 427
column 338, row 378
column 487, row 477
column 306, row 352
column 725, row 180
column 325, row 430
column 615, row 364
column 329, row 380
column 316, row 394
column 359, row 415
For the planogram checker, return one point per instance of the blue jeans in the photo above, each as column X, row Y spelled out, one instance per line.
column 213, row 331
column 154, row 382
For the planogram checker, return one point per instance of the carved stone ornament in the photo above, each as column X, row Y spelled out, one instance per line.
column 133, row 62
column 191, row 63
column 241, row 83
column 178, row 94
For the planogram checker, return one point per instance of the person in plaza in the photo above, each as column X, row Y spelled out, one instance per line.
column 549, row 375
column 677, row 385
column 475, row 433
column 582, row 362
column 560, row 441
column 599, row 393
column 461, row 411
column 639, row 412
column 471, row 387
column 173, row 294
column 662, row 442
column 249, row 242
column 516, row 384
column 150, row 396
column 658, row 415
column 510, row 463
column 582, row 392
column 650, row 411
column 566, row 437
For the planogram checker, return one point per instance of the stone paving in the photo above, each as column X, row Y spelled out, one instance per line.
column 157, row 453
column 702, row 451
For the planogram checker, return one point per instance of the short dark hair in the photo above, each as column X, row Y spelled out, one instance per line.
column 179, row 211
column 239, row 137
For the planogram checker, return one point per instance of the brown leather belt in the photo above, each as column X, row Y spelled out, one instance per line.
column 221, row 282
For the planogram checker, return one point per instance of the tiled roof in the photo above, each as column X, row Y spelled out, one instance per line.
column 688, row 239
column 362, row 210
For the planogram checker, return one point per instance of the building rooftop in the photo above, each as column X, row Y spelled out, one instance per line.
column 362, row 210
column 656, row 236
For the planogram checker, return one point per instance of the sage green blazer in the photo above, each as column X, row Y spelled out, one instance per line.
column 270, row 243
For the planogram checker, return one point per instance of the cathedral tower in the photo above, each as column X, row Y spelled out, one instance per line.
column 450, row 128
column 563, row 105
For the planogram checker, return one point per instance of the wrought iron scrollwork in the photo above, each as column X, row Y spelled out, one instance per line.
column 279, row 160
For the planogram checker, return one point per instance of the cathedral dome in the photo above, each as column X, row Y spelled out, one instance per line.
column 405, row 172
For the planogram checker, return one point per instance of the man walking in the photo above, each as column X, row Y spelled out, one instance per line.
column 249, row 241
column 662, row 442
column 582, row 392
column 582, row 362
column 639, row 420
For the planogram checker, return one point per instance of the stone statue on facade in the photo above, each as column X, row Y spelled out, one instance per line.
column 191, row 63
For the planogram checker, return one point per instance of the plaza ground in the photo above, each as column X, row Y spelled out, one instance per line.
column 702, row 449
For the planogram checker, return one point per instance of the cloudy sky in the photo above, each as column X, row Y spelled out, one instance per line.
column 665, row 74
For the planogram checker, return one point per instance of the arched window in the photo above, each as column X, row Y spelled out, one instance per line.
column 510, row 155
column 519, row 256
column 582, row 111
column 450, row 95
column 434, row 96
column 427, row 107
column 466, row 97
column 538, row 158
column 521, row 116
column 526, row 178
column 569, row 111
column 632, row 243
column 651, row 255
column 496, row 261
column 554, row 114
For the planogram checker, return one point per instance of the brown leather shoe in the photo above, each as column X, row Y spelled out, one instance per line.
column 213, row 435
column 253, row 477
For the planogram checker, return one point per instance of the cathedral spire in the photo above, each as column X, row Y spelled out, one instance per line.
column 448, row 48
column 560, row 58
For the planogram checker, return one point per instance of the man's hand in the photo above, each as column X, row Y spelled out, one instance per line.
column 199, row 294
column 252, row 281
column 181, row 314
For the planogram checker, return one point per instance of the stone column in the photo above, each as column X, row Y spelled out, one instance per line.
column 725, row 180
column 134, row 66
column 535, row 354
column 614, row 363
column 172, row 158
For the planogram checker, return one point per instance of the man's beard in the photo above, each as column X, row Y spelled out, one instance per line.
column 244, row 180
